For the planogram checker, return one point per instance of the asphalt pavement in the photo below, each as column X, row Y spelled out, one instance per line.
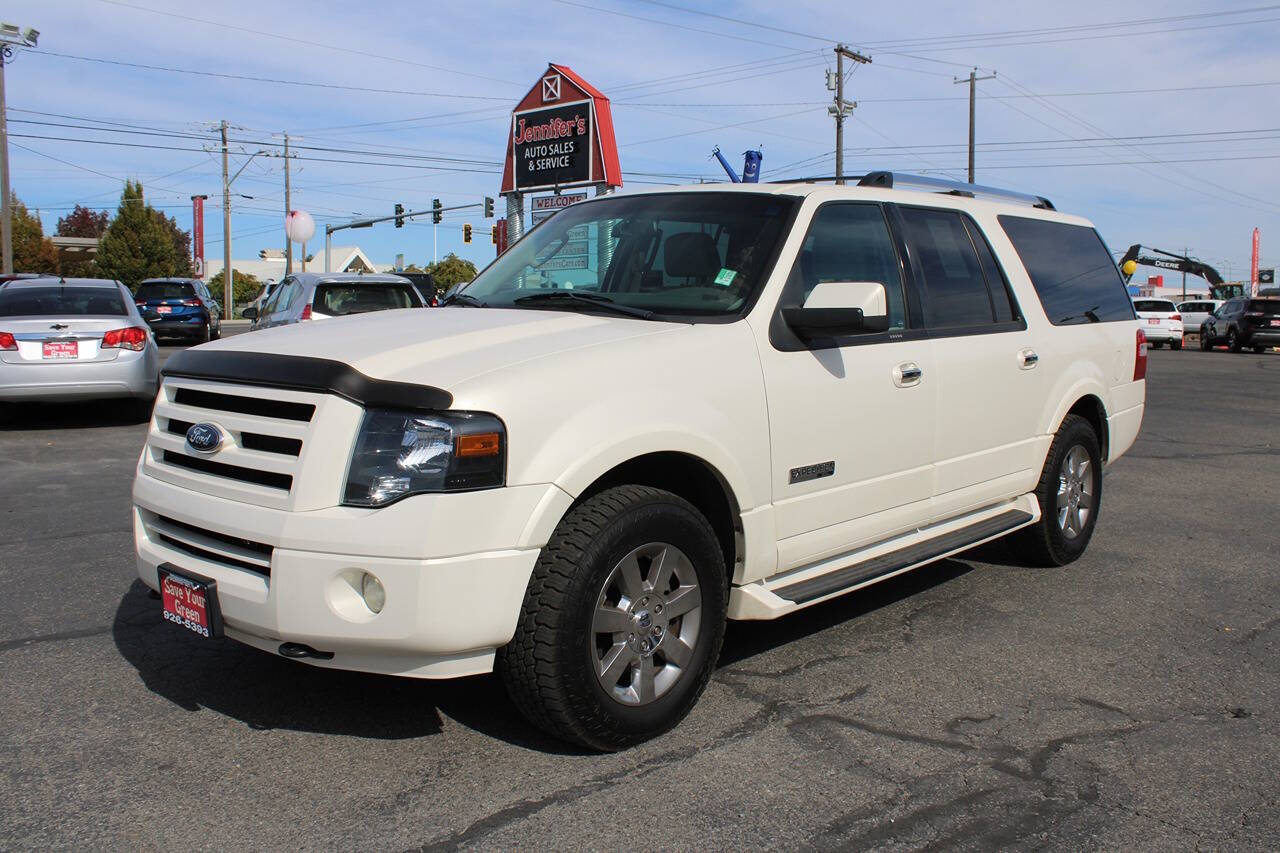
column 1126, row 702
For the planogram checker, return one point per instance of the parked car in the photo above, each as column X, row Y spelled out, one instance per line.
column 764, row 397
column 319, row 296
column 184, row 308
column 68, row 339
column 1194, row 312
column 1243, row 323
column 1161, row 321
column 426, row 284
column 264, row 293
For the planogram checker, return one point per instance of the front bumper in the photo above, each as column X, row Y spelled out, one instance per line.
column 450, row 603
column 129, row 374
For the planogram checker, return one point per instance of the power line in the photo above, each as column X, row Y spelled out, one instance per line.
column 293, row 40
column 222, row 75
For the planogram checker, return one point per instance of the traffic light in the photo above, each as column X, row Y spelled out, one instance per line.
column 399, row 215
column 488, row 207
column 466, row 233
column 493, row 234
column 437, row 210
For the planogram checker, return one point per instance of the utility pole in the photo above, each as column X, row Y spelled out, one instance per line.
column 841, row 107
column 288, row 206
column 973, row 79
column 226, row 229
column 10, row 37
column 1185, row 252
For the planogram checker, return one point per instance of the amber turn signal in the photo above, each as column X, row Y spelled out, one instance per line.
column 483, row 444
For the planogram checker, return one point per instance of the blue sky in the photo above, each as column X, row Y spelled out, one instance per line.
column 1166, row 122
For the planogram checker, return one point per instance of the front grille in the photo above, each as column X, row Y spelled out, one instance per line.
column 210, row 545
column 269, row 479
column 244, row 405
column 248, row 440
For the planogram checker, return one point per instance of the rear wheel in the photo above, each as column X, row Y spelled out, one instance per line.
column 204, row 336
column 215, row 332
column 1156, row 344
column 622, row 621
column 1175, row 344
column 1259, row 350
column 1069, row 494
column 1233, row 340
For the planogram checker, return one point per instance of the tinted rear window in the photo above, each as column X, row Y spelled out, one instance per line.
column 1153, row 305
column 60, row 301
column 1270, row 307
column 1072, row 271
column 339, row 299
column 165, row 290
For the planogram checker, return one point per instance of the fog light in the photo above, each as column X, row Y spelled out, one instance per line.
column 375, row 597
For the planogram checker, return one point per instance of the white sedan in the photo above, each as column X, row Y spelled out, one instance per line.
column 1194, row 312
column 1161, row 322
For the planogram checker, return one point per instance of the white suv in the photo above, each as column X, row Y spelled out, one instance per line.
column 655, row 412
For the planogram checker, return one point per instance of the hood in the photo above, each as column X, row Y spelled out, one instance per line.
column 441, row 346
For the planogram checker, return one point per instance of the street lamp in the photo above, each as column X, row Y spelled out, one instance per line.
column 11, row 36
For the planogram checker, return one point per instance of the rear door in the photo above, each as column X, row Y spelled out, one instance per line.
column 989, row 385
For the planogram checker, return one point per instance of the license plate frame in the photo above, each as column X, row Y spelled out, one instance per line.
column 1153, row 321
column 60, row 350
column 1275, row 322
column 190, row 601
column 164, row 309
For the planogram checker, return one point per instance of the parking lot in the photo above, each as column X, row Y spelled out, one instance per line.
column 1125, row 702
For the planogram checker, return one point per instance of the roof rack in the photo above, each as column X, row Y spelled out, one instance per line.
column 890, row 180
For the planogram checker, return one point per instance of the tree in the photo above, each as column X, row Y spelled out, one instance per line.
column 244, row 286
column 181, row 243
column 83, row 222
column 450, row 270
column 137, row 244
column 32, row 251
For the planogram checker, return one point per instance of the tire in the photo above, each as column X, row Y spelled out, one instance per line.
column 1233, row 340
column 204, row 336
column 1206, row 343
column 580, row 589
column 1175, row 345
column 1155, row 344
column 215, row 334
column 1259, row 350
column 1050, row 542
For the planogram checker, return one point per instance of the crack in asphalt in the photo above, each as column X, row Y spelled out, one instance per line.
column 77, row 634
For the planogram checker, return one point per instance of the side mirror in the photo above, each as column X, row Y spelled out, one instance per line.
column 250, row 313
column 150, row 315
column 836, row 308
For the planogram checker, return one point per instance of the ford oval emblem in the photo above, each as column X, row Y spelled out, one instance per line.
column 204, row 438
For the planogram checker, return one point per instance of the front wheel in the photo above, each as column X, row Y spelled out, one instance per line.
column 1069, row 494
column 1233, row 340
column 1206, row 342
column 622, row 621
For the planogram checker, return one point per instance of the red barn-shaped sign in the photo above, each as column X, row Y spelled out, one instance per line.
column 561, row 136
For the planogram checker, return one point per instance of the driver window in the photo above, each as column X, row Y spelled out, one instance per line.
column 849, row 242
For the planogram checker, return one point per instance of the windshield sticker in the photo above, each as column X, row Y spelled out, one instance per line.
column 725, row 277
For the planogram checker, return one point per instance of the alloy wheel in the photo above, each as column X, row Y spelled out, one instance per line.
column 1075, row 492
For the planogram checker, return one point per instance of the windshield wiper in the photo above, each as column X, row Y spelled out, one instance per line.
column 594, row 300
column 466, row 299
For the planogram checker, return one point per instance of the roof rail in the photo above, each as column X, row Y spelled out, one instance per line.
column 890, row 180
column 940, row 185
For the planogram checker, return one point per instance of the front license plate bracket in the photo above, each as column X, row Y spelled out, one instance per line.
column 190, row 601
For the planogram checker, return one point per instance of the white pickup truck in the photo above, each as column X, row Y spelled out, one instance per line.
column 655, row 412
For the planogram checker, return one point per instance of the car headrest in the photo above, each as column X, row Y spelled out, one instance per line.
column 691, row 255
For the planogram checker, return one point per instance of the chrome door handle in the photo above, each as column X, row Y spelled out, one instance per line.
column 907, row 374
column 1028, row 358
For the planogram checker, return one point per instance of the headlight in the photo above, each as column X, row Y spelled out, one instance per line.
column 406, row 453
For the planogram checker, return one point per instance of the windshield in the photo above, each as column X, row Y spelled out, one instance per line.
column 338, row 299
column 679, row 254
column 54, row 301
column 1153, row 305
column 165, row 290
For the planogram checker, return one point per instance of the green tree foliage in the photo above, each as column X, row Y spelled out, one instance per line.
column 450, row 270
column 140, row 242
column 244, row 287
column 32, row 251
column 83, row 222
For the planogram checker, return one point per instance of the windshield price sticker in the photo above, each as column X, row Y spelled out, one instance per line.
column 725, row 277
